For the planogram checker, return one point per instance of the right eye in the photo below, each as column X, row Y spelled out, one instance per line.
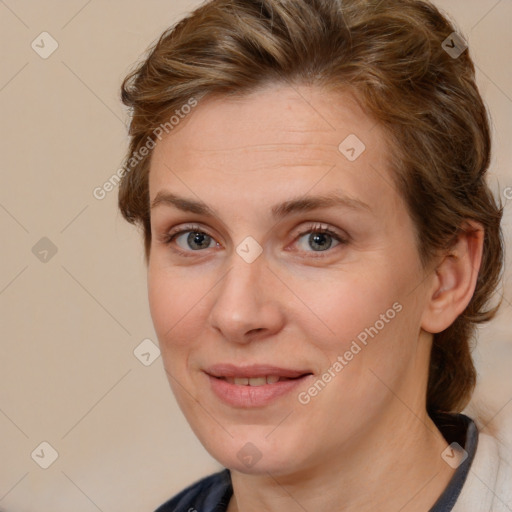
column 190, row 239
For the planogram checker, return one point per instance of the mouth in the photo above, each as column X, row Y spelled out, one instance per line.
column 258, row 381
column 254, row 375
column 253, row 386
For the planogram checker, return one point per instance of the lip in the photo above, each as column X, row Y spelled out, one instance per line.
column 255, row 370
column 253, row 396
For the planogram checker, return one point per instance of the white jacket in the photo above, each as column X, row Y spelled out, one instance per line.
column 488, row 487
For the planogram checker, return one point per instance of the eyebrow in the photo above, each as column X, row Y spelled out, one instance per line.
column 296, row 205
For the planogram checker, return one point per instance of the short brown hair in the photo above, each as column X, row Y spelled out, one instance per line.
column 390, row 54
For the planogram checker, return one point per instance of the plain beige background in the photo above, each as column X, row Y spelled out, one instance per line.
column 72, row 320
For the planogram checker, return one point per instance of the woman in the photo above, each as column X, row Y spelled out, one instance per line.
column 321, row 242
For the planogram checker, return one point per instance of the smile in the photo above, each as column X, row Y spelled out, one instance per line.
column 254, row 381
column 253, row 386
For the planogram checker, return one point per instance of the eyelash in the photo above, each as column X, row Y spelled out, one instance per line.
column 169, row 238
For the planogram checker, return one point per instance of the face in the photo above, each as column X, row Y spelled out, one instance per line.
column 285, row 285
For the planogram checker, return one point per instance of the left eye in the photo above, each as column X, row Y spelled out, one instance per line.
column 320, row 240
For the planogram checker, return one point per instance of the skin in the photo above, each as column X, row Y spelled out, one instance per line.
column 365, row 442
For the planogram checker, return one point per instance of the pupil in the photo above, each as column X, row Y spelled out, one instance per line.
column 320, row 239
column 197, row 238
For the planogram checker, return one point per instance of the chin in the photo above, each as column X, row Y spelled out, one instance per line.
column 250, row 452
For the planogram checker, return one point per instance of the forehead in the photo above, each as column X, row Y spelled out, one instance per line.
column 280, row 135
column 276, row 114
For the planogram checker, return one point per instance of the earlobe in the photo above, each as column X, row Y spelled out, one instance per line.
column 454, row 281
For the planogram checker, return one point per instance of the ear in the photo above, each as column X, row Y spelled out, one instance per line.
column 455, row 279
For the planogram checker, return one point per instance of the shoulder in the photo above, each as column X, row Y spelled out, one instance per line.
column 489, row 482
column 210, row 494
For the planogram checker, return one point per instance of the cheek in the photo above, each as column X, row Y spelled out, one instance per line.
column 370, row 320
column 177, row 307
column 342, row 305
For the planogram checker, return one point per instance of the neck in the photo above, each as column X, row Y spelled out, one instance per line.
column 391, row 466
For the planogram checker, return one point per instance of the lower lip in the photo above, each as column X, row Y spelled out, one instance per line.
column 253, row 396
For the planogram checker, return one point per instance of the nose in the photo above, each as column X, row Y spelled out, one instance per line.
column 247, row 302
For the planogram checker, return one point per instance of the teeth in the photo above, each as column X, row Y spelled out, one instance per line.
column 253, row 381
column 258, row 381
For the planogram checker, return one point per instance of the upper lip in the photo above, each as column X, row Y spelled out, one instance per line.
column 256, row 370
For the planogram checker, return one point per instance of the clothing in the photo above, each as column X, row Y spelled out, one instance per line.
column 489, row 484
column 211, row 494
column 479, row 484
